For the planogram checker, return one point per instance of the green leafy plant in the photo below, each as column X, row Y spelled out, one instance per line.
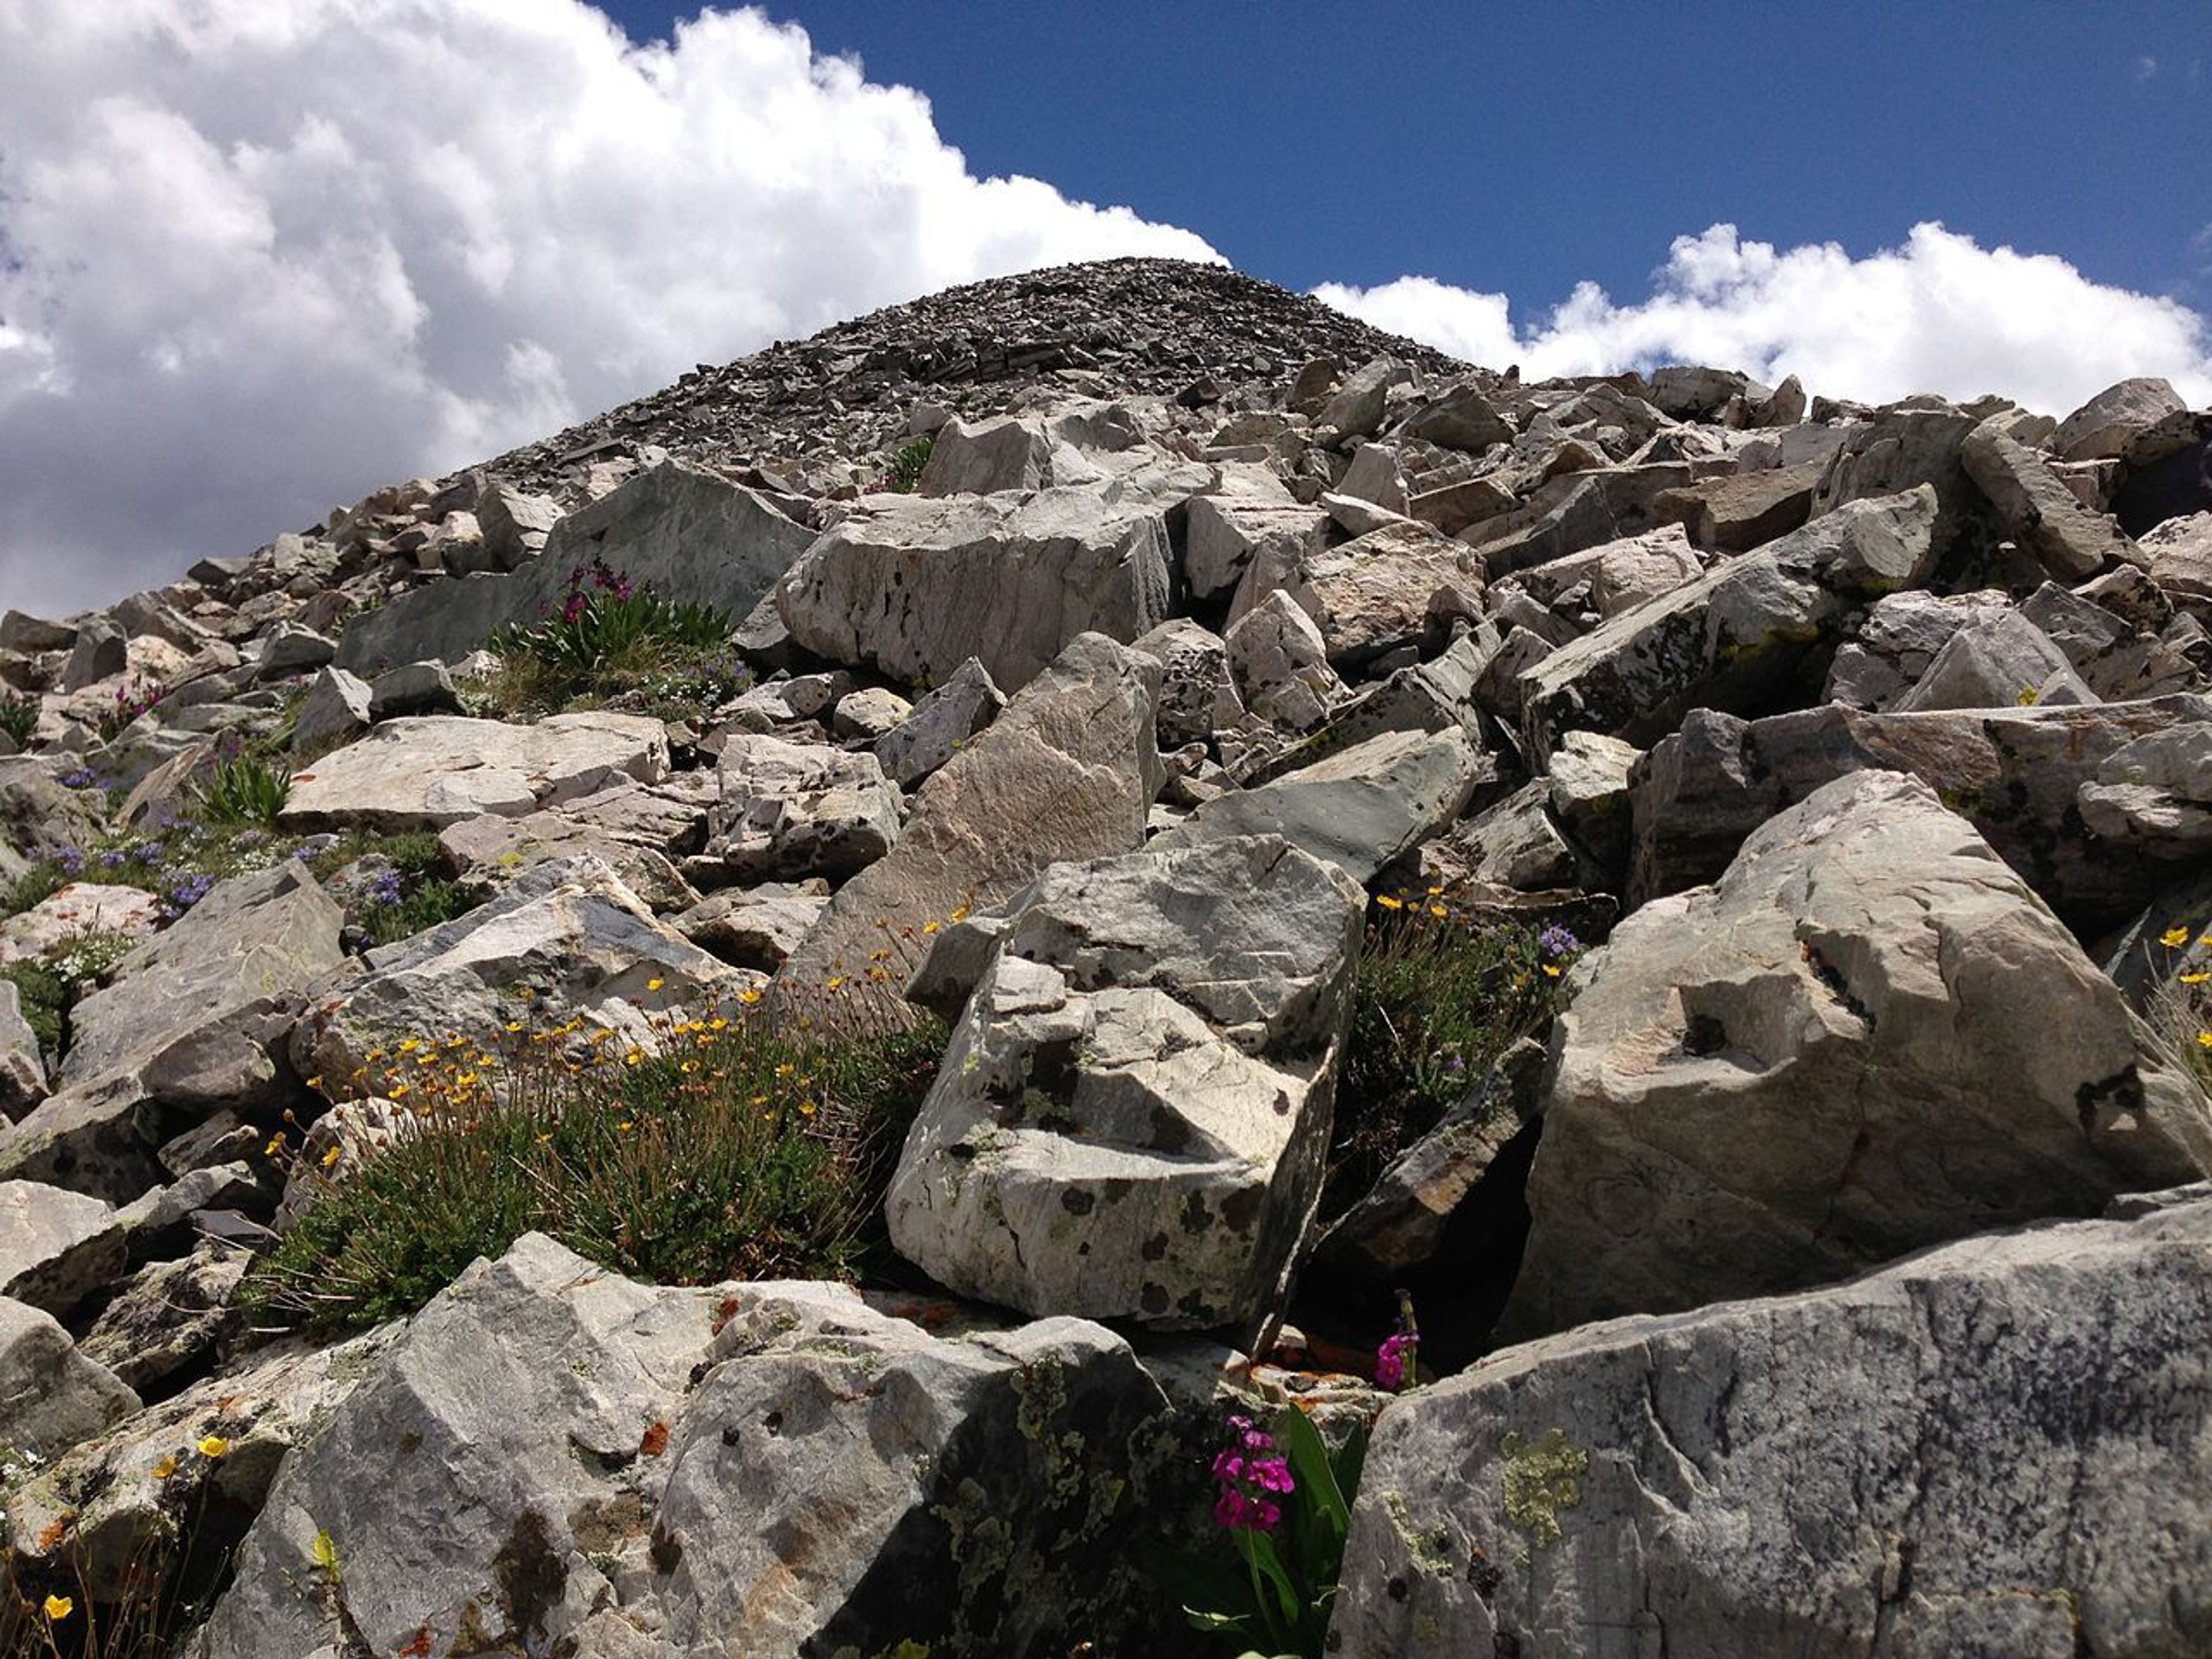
column 1284, row 1509
column 726, row 1151
column 1436, row 1000
column 604, row 618
column 246, row 789
column 19, row 718
column 389, row 913
column 906, row 468
column 48, row 988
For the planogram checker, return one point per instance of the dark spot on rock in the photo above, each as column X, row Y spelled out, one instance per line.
column 1114, row 1188
column 1153, row 1299
column 773, row 1423
column 531, row 1578
column 1196, row 1218
column 1703, row 1035
column 1155, row 1248
column 1282, row 1102
column 1505, row 1645
column 665, row 1553
column 1076, row 1201
column 1170, row 1131
column 1241, row 1208
column 2123, row 1092
column 1398, row 1590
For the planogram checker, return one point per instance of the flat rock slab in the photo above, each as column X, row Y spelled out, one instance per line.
column 1995, row 1447
column 427, row 773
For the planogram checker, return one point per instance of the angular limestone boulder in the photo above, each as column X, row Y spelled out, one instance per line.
column 55, row 1247
column 912, row 587
column 1997, row 660
column 574, row 1463
column 2105, row 426
column 1741, row 638
column 940, row 725
column 1131, row 1119
column 567, row 939
column 1068, row 771
column 51, row 1395
column 2038, row 511
column 427, row 773
column 1867, row 1037
column 790, row 809
column 1994, row 1447
column 685, row 532
column 1359, row 808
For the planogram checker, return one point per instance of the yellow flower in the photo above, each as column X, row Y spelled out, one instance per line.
column 399, row 1091
column 960, row 915
column 2197, row 978
column 836, row 982
column 750, row 995
column 1439, row 912
column 276, row 1146
column 213, row 1445
column 514, row 1025
column 315, row 1082
column 654, row 984
column 1389, row 903
column 411, row 1045
column 330, row 1157
column 626, row 1125
column 59, row 1608
column 718, row 1023
column 164, row 1469
column 2174, row 938
column 1550, row 970
column 930, row 927
column 635, row 1057
column 2204, row 1039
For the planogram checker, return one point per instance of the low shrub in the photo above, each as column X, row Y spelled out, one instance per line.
column 1436, row 1000
column 726, row 1151
column 48, row 987
column 248, row 790
column 906, row 468
column 391, row 909
column 19, row 718
column 613, row 642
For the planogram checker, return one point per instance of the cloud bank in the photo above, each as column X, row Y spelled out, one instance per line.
column 258, row 256
column 1940, row 314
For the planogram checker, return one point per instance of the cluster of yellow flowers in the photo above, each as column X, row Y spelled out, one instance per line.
column 2180, row 938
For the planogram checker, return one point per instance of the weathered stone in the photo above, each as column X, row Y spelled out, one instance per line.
column 2113, row 657
column 2108, row 422
column 2037, row 509
column 1153, row 1042
column 1280, row 662
column 1359, row 808
column 38, row 816
column 427, row 773
column 867, row 714
column 1226, row 534
column 940, row 725
column 2015, row 773
column 335, row 711
column 1515, row 843
column 1998, row 659
column 1587, row 788
column 51, row 1396
column 1741, row 638
column 790, row 809
column 414, row 688
column 292, row 649
column 513, row 525
column 594, row 1469
column 1460, row 418
column 1906, row 1465
column 1355, row 408
column 1391, row 587
column 1869, row 1036
column 22, row 1068
column 2154, row 793
column 1745, row 510
column 1900, row 452
column 74, row 912
column 913, row 587
column 684, row 532
column 1068, row 771
column 1198, row 693
column 758, row 927
column 568, row 934
column 2180, row 554
column 1898, row 637
column 56, row 1246
column 169, row 1317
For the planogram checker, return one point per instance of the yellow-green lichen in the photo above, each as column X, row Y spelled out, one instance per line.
column 1540, row 1480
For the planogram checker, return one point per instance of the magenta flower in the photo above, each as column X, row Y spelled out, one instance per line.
column 1252, row 1473
column 1394, row 1361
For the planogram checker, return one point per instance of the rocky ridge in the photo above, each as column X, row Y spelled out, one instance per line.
column 1847, row 766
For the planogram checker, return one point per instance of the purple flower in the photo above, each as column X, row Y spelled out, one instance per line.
column 1394, row 1361
column 114, row 858
column 71, row 859
column 1251, row 1473
column 148, row 852
column 384, row 890
column 1557, row 941
column 80, row 777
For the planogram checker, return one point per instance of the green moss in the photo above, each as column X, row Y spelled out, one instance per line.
column 1540, row 1480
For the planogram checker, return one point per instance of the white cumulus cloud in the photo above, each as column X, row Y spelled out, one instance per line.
column 1940, row 314
column 259, row 256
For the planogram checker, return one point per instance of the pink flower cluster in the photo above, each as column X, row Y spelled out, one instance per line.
column 599, row 575
column 1394, row 1361
column 1252, row 1473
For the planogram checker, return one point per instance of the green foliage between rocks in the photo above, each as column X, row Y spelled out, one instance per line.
column 1436, row 1000
column 19, row 718
column 731, row 1153
column 247, row 790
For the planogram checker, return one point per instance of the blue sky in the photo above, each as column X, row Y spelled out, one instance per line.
column 256, row 261
column 1528, row 147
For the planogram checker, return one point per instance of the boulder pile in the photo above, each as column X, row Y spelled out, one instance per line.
column 1095, row 667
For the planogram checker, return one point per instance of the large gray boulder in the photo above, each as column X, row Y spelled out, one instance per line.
column 682, row 531
column 791, row 809
column 427, row 773
column 567, row 939
column 1993, row 1449
column 1742, row 638
column 1131, row 1120
column 2015, row 773
column 56, row 1246
column 2104, row 427
column 940, row 725
column 51, row 1395
column 1361, row 808
column 912, row 587
column 2038, row 511
column 574, row 1463
column 1867, row 1036
column 1068, row 771
column 199, row 1005
column 1997, row 660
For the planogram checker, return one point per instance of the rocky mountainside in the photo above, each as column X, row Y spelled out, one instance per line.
column 886, row 1004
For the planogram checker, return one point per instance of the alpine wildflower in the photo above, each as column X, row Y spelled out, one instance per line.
column 1253, row 1474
